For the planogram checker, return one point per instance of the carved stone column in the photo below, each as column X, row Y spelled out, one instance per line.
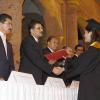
column 63, row 17
column 71, row 21
column 14, row 8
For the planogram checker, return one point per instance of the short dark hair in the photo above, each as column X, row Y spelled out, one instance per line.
column 50, row 38
column 3, row 17
column 33, row 23
column 79, row 45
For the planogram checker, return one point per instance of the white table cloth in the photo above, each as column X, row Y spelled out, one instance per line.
column 18, row 91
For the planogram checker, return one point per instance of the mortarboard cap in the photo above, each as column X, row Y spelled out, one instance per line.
column 92, row 24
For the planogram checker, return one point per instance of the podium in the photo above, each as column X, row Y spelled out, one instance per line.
column 20, row 77
column 19, row 91
column 55, row 82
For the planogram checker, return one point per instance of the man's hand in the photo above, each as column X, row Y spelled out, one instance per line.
column 2, row 79
column 70, row 52
column 58, row 70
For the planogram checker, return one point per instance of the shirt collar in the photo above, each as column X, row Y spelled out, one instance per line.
column 2, row 35
column 50, row 49
column 35, row 38
column 76, row 55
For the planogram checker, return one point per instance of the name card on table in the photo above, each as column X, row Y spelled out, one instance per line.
column 20, row 77
column 55, row 82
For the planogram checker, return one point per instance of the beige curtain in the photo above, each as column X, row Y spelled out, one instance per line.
column 54, row 9
column 82, row 23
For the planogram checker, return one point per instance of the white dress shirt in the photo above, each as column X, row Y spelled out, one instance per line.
column 36, row 39
column 3, row 37
column 50, row 49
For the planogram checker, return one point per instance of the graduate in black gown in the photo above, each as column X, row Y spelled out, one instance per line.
column 88, row 67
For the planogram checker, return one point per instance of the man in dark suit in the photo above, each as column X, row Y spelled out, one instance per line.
column 79, row 49
column 6, row 55
column 52, row 45
column 32, row 58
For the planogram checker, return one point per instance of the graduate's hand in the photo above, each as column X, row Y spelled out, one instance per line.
column 58, row 70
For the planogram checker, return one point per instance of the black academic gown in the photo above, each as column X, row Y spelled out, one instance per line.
column 88, row 67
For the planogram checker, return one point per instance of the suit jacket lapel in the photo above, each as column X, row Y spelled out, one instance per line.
column 2, row 48
column 37, row 45
column 8, row 50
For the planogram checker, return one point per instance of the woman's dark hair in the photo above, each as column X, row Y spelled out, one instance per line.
column 96, row 35
column 94, row 27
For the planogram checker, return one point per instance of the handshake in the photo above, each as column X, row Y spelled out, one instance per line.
column 58, row 70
